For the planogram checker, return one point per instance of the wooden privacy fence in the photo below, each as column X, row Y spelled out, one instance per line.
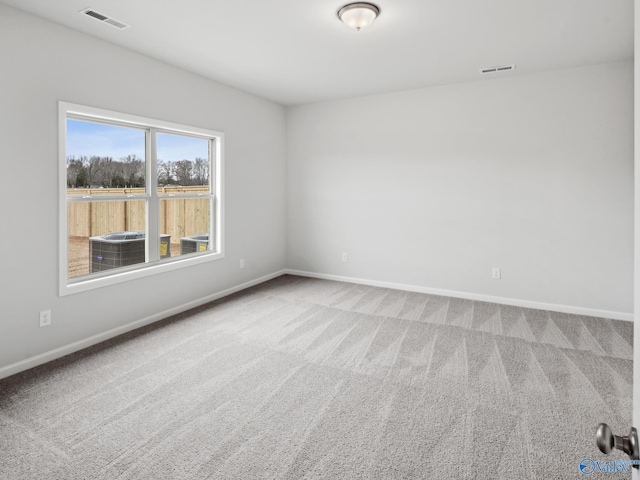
column 179, row 217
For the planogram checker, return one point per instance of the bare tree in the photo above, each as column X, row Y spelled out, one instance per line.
column 165, row 172
column 132, row 171
column 103, row 175
column 94, row 167
column 201, row 171
column 76, row 173
column 105, row 172
column 182, row 170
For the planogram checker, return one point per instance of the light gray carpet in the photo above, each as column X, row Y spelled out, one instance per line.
column 305, row 379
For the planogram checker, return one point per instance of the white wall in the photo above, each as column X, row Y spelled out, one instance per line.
column 42, row 63
column 432, row 188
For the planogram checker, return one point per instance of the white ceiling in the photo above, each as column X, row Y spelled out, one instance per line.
column 297, row 51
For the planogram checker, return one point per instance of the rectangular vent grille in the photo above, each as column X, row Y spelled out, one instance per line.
column 104, row 19
column 116, row 23
column 96, row 15
column 503, row 68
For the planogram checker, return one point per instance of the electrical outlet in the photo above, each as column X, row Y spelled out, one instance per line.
column 496, row 273
column 45, row 318
column 242, row 263
column 344, row 257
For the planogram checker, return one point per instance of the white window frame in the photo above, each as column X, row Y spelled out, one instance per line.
column 154, row 265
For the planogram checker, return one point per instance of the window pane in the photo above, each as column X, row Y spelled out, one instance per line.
column 182, row 162
column 103, row 156
column 105, row 235
column 186, row 220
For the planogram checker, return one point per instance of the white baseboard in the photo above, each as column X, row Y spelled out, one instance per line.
column 114, row 332
column 590, row 312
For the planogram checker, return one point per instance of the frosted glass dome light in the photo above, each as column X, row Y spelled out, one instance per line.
column 358, row 15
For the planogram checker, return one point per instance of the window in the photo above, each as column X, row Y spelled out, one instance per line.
column 138, row 197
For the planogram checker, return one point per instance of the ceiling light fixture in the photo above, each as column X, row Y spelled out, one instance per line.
column 358, row 15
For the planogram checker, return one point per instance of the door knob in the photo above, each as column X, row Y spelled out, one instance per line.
column 607, row 441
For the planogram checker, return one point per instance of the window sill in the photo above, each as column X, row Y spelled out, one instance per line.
column 91, row 283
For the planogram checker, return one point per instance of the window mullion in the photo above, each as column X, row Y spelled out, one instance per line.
column 153, row 208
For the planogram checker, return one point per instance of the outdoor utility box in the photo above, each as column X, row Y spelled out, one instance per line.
column 120, row 249
column 195, row 243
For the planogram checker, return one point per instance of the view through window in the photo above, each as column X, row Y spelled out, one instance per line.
column 137, row 193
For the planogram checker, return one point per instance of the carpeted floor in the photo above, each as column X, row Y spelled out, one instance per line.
column 301, row 378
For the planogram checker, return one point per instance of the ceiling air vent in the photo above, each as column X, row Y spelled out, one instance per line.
column 503, row 68
column 104, row 19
